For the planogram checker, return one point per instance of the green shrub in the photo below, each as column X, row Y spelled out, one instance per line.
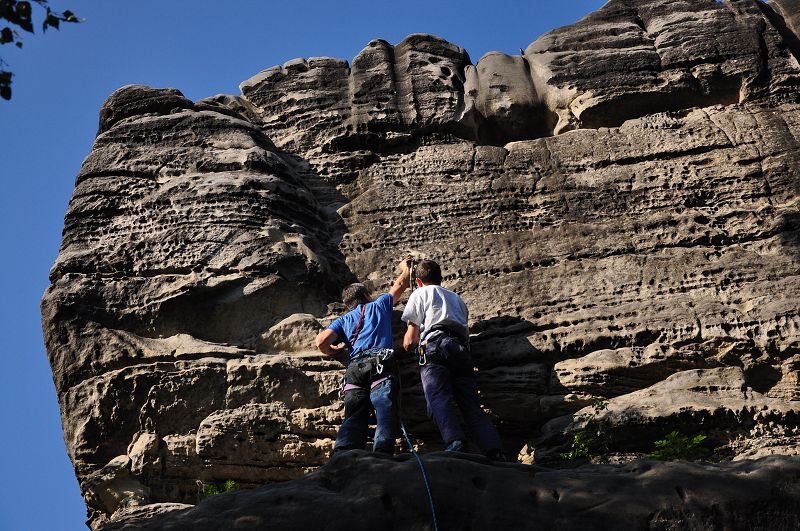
column 593, row 438
column 679, row 446
column 580, row 447
column 216, row 488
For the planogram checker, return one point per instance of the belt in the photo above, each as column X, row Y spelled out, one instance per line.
column 379, row 355
column 439, row 331
column 371, row 353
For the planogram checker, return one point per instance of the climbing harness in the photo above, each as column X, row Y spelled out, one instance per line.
column 360, row 369
column 422, row 356
column 381, row 356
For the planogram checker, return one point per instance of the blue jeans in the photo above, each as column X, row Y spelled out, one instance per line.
column 448, row 377
column 358, row 407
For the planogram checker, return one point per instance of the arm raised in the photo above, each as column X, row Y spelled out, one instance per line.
column 401, row 282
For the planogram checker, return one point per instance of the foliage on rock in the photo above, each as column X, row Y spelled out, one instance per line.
column 676, row 445
column 593, row 439
column 213, row 489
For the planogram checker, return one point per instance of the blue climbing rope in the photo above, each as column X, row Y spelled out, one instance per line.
column 424, row 474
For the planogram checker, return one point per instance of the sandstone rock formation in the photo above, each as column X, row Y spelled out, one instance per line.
column 350, row 493
column 618, row 206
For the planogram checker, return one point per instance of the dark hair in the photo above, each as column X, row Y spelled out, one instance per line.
column 354, row 294
column 429, row 272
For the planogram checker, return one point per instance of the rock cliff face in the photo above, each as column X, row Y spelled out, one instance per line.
column 618, row 206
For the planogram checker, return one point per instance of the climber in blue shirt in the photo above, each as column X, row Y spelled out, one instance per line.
column 370, row 381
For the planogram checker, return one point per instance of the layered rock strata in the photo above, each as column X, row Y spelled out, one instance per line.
column 618, row 206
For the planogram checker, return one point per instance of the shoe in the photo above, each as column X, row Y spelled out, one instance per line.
column 385, row 450
column 497, row 454
column 456, row 446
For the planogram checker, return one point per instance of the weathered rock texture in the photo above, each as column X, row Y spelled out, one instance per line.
column 618, row 206
column 352, row 493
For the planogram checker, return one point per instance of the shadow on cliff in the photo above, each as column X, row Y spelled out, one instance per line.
column 307, row 278
column 513, row 377
column 789, row 227
column 779, row 23
column 330, row 199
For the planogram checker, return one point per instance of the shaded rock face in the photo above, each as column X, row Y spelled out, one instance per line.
column 349, row 493
column 618, row 206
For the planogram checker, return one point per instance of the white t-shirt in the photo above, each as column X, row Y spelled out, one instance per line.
column 434, row 305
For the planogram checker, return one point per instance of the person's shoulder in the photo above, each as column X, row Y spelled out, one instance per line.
column 386, row 298
column 384, row 301
column 442, row 289
column 418, row 294
column 352, row 315
column 450, row 293
column 338, row 323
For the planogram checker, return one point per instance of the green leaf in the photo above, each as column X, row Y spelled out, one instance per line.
column 676, row 445
column 19, row 44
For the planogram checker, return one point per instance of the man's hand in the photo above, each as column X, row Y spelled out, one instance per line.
column 325, row 340
column 411, row 336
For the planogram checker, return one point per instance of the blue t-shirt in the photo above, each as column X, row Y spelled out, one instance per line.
column 376, row 330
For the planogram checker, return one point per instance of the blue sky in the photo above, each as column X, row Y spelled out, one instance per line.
column 202, row 48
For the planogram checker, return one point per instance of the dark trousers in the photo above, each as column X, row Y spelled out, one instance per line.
column 358, row 407
column 448, row 380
